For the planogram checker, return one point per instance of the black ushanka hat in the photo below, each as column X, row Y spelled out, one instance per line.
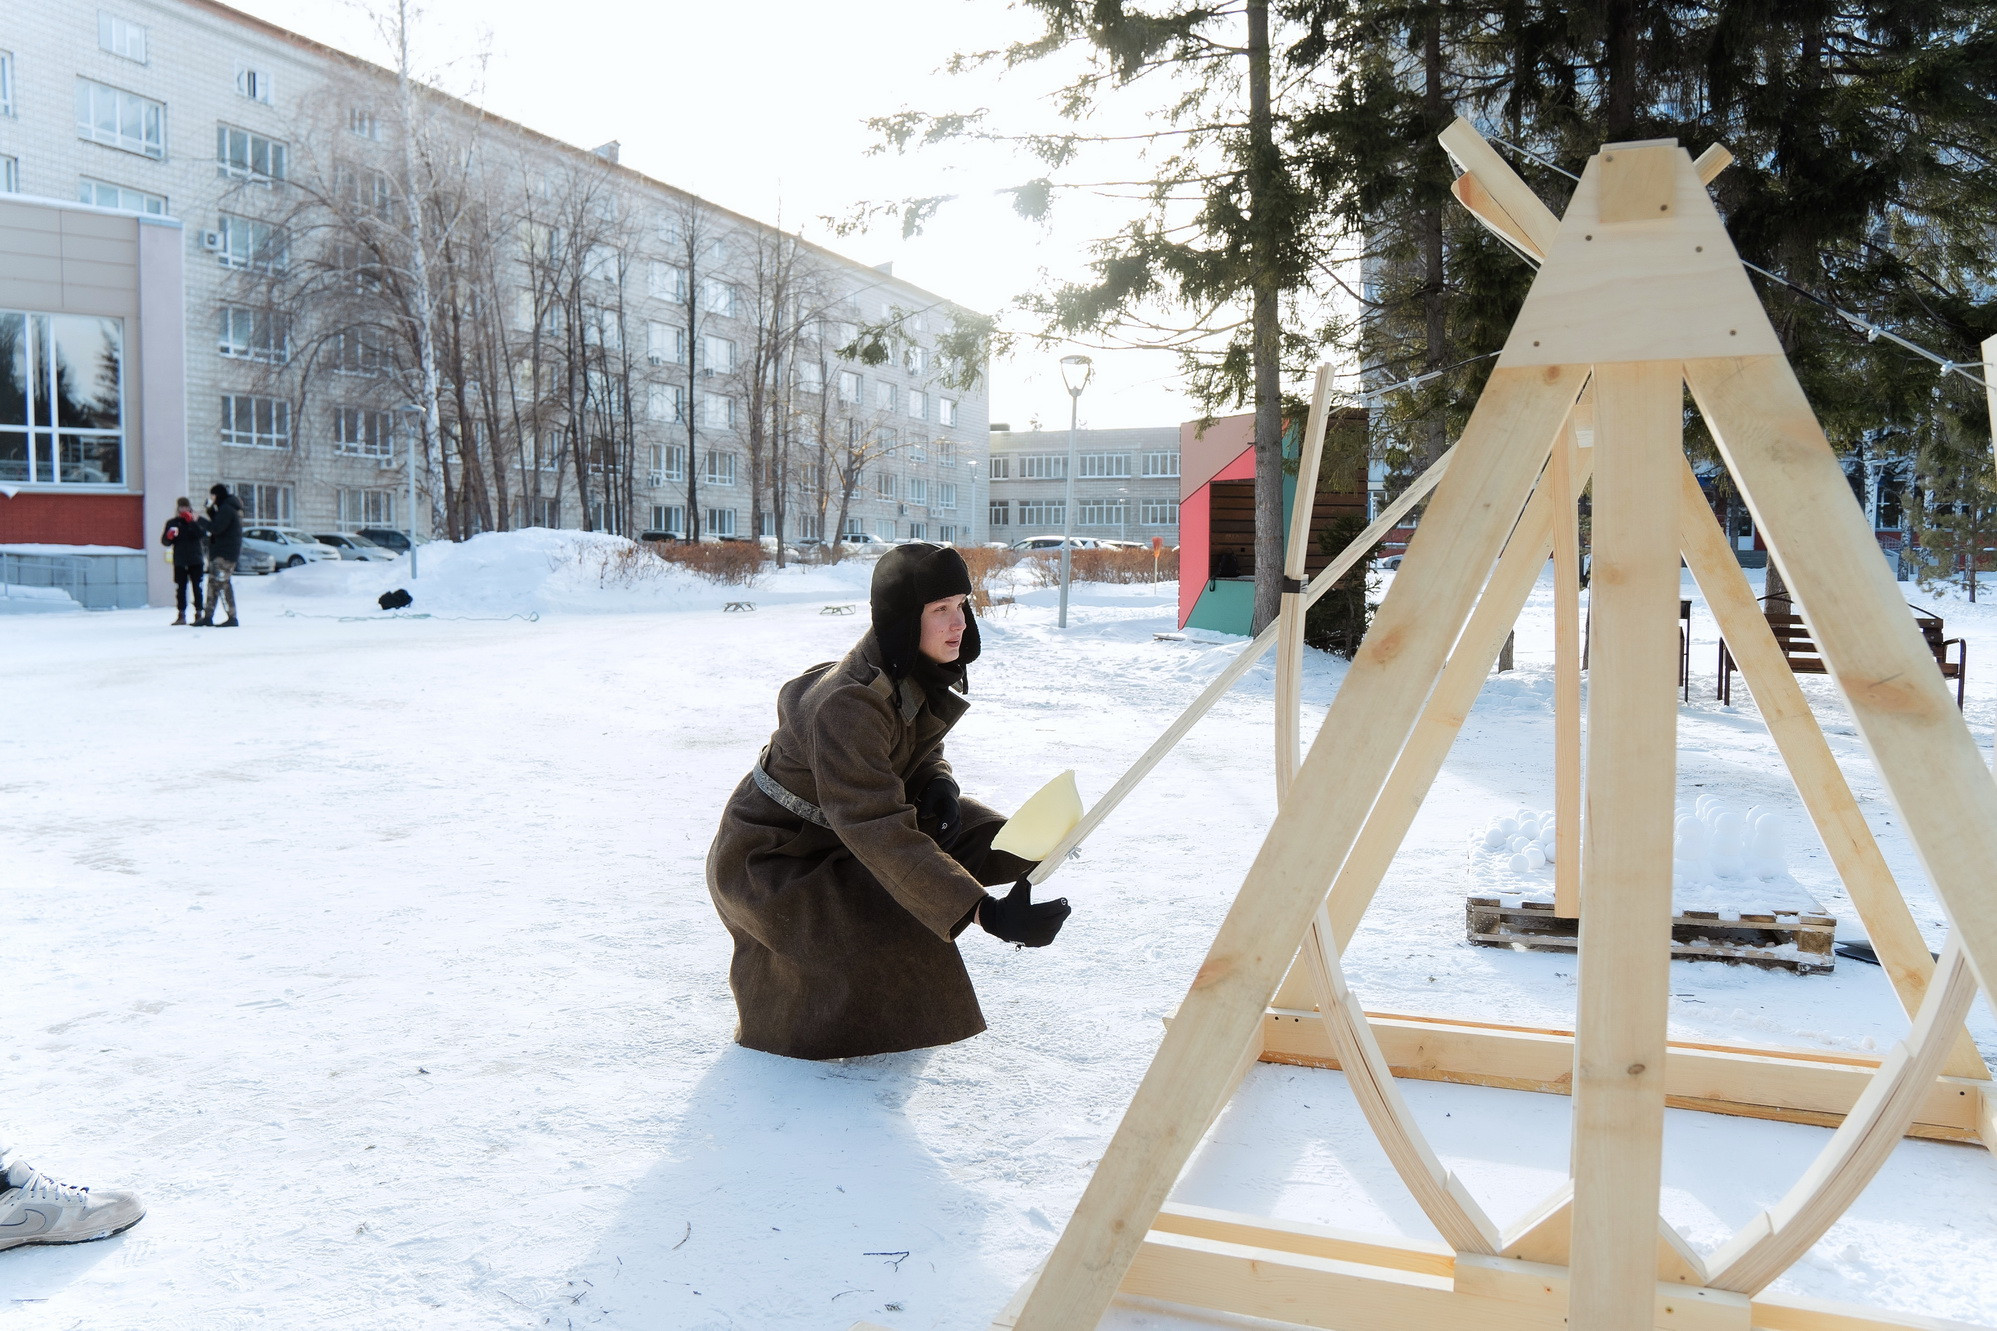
column 906, row 579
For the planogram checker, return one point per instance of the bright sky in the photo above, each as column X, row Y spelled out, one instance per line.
column 759, row 105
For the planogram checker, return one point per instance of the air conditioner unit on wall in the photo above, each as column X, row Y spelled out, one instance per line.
column 211, row 240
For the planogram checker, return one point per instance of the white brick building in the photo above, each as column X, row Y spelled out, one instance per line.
column 189, row 109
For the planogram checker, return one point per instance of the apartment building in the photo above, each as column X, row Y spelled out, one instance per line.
column 1126, row 483
column 668, row 386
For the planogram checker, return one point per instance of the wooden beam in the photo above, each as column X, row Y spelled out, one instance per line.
column 1803, row 505
column 1511, row 196
column 1903, row 953
column 1441, row 1196
column 1566, row 481
column 1290, row 618
column 1773, row 1241
column 1344, row 1245
column 1788, row 1086
column 1545, row 1234
column 1503, row 448
column 1711, row 162
column 1243, row 661
column 1624, row 983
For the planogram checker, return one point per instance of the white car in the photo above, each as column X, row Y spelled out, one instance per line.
column 1054, row 543
column 355, row 547
column 287, row 546
column 857, row 542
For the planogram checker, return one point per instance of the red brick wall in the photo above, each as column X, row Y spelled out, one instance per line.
column 83, row 519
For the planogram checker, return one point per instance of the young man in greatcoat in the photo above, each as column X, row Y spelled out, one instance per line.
column 224, row 529
column 848, row 862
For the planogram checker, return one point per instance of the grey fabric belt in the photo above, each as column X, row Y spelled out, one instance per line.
column 769, row 785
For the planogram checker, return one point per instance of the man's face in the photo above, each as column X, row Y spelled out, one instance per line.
column 943, row 629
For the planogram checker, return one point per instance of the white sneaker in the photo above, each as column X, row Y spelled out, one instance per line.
column 34, row 1208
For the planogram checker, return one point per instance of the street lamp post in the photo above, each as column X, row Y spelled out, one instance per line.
column 1075, row 374
column 412, row 413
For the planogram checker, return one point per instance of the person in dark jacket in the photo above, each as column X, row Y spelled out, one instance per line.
column 223, row 526
column 848, row 861
column 183, row 533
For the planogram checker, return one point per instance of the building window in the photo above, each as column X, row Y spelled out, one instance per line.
column 946, row 495
column 367, row 508
column 918, row 404
column 884, row 528
column 247, row 156
column 946, row 534
column 718, row 296
column 1042, row 513
column 361, row 123
column 251, row 334
column 121, row 36
column 104, row 194
column 1159, row 513
column 255, row 422
column 6, row 83
column 665, row 402
column 545, row 512
column 1115, row 466
column 849, row 387
column 914, row 359
column 10, row 175
column 1000, row 515
column 1001, row 467
column 946, row 452
column 1163, row 463
column 668, row 463
column 721, row 521
column 264, row 503
column 602, row 263
column 855, row 527
column 918, row 531
column 248, row 243
column 717, row 354
column 717, row 468
column 717, row 411
column 669, row 518
column 1103, row 513
column 668, row 282
column 665, row 344
column 1043, row 467
column 62, row 390
column 946, row 411
column 369, row 193
column 883, row 396
column 918, row 490
column 119, row 119
column 253, row 84
column 884, row 484
column 359, row 432
column 810, row 377
column 355, row 351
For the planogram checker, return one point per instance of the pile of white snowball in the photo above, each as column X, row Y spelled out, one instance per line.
column 1712, row 840
column 1526, row 837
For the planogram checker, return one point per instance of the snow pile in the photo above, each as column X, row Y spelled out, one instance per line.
column 18, row 600
column 1524, row 841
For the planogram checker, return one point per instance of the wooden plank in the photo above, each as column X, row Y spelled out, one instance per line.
column 1502, row 184
column 1860, row 864
column 1791, row 1086
column 1640, row 291
column 1469, row 666
column 1546, row 1233
column 1441, row 1196
column 1244, row 660
column 1711, row 162
column 1623, row 995
column 1290, row 624
column 1803, row 505
column 1773, row 1241
column 1503, row 448
column 1639, row 181
column 1418, row 1255
column 1565, row 478
column 1470, row 192
column 1547, row 1289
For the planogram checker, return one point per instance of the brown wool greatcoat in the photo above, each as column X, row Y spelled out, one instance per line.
column 844, row 935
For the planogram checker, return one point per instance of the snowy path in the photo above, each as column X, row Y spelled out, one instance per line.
column 377, row 956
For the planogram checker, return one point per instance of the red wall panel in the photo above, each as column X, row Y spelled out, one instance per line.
column 79, row 519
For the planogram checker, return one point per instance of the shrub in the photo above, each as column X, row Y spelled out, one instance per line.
column 1119, row 566
column 733, row 563
column 986, row 567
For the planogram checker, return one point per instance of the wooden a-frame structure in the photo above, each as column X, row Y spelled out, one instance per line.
column 1640, row 294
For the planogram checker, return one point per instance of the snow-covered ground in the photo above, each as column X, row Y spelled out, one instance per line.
column 375, row 952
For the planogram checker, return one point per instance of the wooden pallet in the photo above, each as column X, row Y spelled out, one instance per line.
column 1696, row 935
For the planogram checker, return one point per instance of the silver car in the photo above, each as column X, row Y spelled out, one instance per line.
column 288, row 546
column 355, row 547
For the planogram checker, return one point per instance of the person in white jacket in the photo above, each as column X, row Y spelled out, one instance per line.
column 34, row 1208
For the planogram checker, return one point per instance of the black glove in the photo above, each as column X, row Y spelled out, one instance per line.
column 1017, row 919
column 939, row 802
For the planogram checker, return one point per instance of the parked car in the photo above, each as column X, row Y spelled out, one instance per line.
column 662, row 536
column 859, row 542
column 1054, row 543
column 288, row 546
column 255, row 562
column 355, row 547
column 391, row 540
column 769, row 544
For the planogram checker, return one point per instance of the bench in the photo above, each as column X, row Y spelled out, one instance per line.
column 1800, row 651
